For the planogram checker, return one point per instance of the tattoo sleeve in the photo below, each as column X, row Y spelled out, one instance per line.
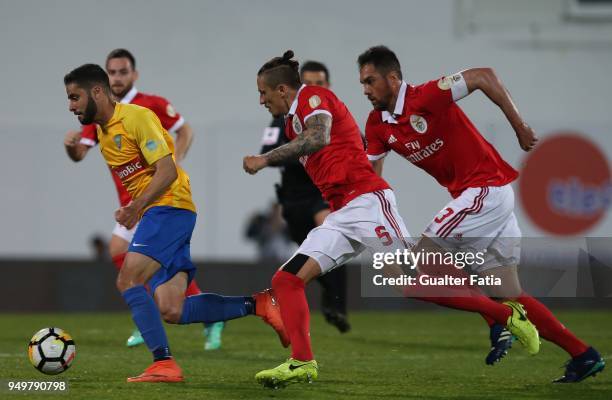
column 314, row 138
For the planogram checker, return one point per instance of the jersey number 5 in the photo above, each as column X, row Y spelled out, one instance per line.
column 383, row 235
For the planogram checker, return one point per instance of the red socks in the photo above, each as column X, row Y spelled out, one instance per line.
column 118, row 260
column 549, row 326
column 192, row 289
column 462, row 298
column 289, row 292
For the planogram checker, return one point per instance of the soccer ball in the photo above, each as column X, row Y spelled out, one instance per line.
column 51, row 351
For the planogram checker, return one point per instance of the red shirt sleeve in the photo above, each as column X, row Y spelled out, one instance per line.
column 170, row 119
column 376, row 145
column 89, row 135
column 314, row 100
column 437, row 95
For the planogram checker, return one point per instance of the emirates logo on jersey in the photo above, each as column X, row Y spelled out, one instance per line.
column 420, row 154
column 130, row 169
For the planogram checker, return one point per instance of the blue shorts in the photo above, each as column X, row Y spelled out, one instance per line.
column 164, row 234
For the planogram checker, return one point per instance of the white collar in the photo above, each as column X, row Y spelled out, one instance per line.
column 295, row 101
column 129, row 96
column 399, row 106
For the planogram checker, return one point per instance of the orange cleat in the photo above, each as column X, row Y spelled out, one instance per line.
column 267, row 308
column 160, row 371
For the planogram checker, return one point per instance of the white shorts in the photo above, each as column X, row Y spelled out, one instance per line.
column 480, row 219
column 124, row 233
column 369, row 221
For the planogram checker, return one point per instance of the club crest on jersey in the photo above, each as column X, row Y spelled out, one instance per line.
column 117, row 140
column 297, row 125
column 170, row 111
column 448, row 81
column 314, row 101
column 418, row 123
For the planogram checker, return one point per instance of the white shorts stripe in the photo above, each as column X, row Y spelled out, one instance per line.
column 452, row 223
column 386, row 207
column 475, row 210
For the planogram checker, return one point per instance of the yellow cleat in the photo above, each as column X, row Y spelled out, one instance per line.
column 522, row 328
column 291, row 371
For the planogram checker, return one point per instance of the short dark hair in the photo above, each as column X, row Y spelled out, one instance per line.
column 87, row 76
column 281, row 70
column 122, row 53
column 314, row 66
column 382, row 58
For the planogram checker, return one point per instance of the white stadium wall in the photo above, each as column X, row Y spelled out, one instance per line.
column 203, row 56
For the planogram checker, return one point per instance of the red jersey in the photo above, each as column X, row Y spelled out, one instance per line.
column 170, row 120
column 341, row 169
column 432, row 132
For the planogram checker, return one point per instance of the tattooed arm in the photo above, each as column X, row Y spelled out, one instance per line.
column 314, row 138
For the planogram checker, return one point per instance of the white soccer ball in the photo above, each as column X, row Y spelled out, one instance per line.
column 51, row 351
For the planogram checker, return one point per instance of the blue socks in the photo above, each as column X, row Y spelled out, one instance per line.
column 210, row 307
column 146, row 317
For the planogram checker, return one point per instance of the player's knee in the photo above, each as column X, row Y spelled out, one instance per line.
column 171, row 313
column 128, row 277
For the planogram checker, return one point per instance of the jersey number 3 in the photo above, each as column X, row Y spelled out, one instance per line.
column 447, row 212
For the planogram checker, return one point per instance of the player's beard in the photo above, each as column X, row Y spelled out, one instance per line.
column 90, row 112
column 120, row 95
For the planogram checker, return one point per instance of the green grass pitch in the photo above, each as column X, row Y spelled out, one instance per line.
column 407, row 355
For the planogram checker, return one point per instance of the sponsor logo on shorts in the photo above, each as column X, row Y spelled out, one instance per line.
column 566, row 198
column 130, row 169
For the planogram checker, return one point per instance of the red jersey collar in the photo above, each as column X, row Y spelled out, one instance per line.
column 295, row 101
column 129, row 96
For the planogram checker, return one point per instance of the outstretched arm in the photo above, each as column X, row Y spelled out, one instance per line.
column 378, row 166
column 486, row 80
column 184, row 138
column 314, row 138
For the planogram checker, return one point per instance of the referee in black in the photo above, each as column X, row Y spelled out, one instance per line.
column 304, row 207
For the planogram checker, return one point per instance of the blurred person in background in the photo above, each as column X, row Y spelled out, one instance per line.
column 99, row 248
column 269, row 231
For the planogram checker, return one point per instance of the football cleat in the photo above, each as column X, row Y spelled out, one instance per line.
column 337, row 319
column 501, row 342
column 589, row 363
column 160, row 371
column 135, row 339
column 291, row 371
column 267, row 308
column 212, row 332
column 522, row 328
